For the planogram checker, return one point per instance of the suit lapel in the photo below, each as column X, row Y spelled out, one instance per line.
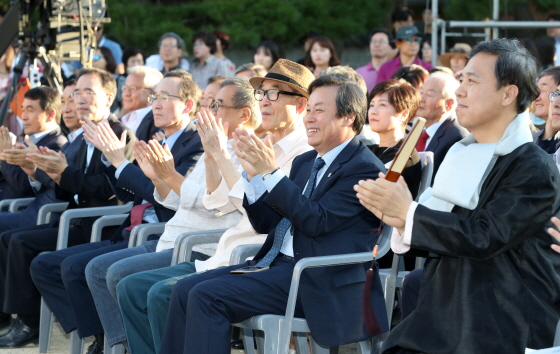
column 183, row 139
column 434, row 143
column 81, row 156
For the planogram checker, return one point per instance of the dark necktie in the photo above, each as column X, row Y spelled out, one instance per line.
column 285, row 224
column 421, row 146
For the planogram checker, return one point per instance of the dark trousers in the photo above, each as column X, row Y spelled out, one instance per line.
column 60, row 278
column 204, row 305
column 9, row 221
column 411, row 290
column 18, row 248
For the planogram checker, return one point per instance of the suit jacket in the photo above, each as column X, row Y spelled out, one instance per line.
column 47, row 193
column 137, row 187
column 92, row 186
column 491, row 280
column 448, row 133
column 332, row 221
column 17, row 182
column 147, row 129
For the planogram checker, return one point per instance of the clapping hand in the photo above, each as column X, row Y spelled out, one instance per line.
column 18, row 155
column 256, row 156
column 213, row 134
column 161, row 159
column 554, row 233
column 91, row 133
column 52, row 162
column 5, row 139
column 140, row 152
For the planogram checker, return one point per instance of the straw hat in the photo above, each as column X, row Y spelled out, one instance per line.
column 459, row 49
column 287, row 72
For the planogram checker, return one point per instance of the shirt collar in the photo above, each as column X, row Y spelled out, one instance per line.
column 329, row 156
column 287, row 143
column 74, row 134
column 432, row 129
column 142, row 112
column 38, row 136
column 170, row 141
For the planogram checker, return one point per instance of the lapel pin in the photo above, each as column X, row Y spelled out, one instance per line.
column 329, row 175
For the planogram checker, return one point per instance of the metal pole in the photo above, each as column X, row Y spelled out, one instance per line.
column 503, row 24
column 496, row 17
column 443, row 36
column 435, row 23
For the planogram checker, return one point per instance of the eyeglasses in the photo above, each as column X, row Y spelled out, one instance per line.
column 553, row 95
column 216, row 105
column 85, row 93
column 133, row 88
column 416, row 40
column 272, row 94
column 163, row 97
column 378, row 42
column 96, row 57
column 167, row 46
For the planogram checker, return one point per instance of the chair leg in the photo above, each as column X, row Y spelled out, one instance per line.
column 117, row 349
column 317, row 348
column 302, row 346
column 248, row 341
column 45, row 328
column 76, row 343
column 364, row 347
column 106, row 346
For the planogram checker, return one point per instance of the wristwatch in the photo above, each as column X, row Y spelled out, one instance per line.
column 266, row 175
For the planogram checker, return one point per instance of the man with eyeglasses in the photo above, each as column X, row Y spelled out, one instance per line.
column 59, row 275
column 547, row 138
column 170, row 57
column 380, row 51
column 407, row 40
column 80, row 181
column 140, row 82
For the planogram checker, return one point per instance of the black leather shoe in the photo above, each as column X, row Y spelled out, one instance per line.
column 19, row 335
column 5, row 320
column 95, row 348
column 237, row 344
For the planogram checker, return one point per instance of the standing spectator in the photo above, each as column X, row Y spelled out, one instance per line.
column 380, row 50
column 427, row 48
column 222, row 43
column 170, row 57
column 414, row 75
column 408, row 41
column 401, row 18
column 209, row 93
column 113, row 46
column 306, row 41
column 266, row 54
column 321, row 56
column 205, row 64
column 104, row 60
column 546, row 138
column 456, row 58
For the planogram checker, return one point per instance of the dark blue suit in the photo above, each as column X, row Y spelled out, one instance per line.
column 448, row 133
column 59, row 276
column 18, row 183
column 331, row 222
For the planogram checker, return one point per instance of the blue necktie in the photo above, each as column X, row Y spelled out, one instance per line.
column 285, row 224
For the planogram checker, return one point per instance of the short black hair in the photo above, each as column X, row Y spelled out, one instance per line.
column 208, row 38
column 414, row 74
column 108, row 82
column 514, row 66
column 400, row 15
column 180, row 41
column 48, row 97
column 553, row 17
column 350, row 98
column 554, row 72
column 130, row 52
column 382, row 30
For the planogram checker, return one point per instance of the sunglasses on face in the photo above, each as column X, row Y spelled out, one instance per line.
column 416, row 40
column 97, row 57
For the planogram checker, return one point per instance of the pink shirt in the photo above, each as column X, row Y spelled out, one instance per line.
column 388, row 68
column 369, row 73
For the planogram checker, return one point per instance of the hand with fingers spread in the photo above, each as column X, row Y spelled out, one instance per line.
column 140, row 152
column 18, row 154
column 554, row 233
column 161, row 159
column 52, row 162
column 257, row 153
column 213, row 134
column 91, row 133
column 5, row 139
column 387, row 200
column 112, row 147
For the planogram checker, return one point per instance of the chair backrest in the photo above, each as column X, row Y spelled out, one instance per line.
column 427, row 161
column 242, row 252
column 385, row 241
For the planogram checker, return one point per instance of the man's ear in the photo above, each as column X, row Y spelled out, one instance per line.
column 449, row 104
column 51, row 116
column 349, row 120
column 301, row 105
column 110, row 99
column 188, row 107
column 245, row 116
column 511, row 92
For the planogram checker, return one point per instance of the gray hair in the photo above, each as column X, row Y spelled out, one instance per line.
column 350, row 98
column 450, row 85
column 346, row 72
column 180, row 41
column 152, row 76
column 244, row 96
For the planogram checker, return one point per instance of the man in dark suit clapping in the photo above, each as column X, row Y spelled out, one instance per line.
column 314, row 212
